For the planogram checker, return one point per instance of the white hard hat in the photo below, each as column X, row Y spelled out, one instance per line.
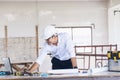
column 49, row 32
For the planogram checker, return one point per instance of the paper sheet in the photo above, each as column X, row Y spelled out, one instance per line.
column 63, row 71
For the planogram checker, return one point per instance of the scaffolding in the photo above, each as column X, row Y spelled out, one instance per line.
column 21, row 50
column 93, row 56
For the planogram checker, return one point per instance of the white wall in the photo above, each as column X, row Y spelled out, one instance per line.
column 113, row 3
column 75, row 13
column 21, row 17
column 114, row 25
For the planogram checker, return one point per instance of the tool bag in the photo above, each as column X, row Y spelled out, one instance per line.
column 113, row 60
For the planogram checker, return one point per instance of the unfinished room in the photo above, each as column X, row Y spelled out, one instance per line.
column 59, row 39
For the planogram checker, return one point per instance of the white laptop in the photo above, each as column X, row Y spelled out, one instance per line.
column 7, row 64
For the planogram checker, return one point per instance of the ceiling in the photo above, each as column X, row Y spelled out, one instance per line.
column 53, row 0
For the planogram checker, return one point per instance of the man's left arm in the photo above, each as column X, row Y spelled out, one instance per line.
column 74, row 62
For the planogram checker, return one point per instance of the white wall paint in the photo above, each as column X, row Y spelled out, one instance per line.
column 21, row 17
column 114, row 25
column 113, row 3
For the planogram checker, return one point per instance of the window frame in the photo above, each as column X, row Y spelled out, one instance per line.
column 73, row 27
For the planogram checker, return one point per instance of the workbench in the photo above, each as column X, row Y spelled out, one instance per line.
column 80, row 76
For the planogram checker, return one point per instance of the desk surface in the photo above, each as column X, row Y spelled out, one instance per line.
column 85, row 76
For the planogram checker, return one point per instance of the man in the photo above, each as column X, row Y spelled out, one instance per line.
column 61, row 48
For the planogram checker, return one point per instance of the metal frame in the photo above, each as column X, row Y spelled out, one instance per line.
column 103, row 56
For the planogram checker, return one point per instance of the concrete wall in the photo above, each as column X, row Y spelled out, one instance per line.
column 21, row 17
column 113, row 3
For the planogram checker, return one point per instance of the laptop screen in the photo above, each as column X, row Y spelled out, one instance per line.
column 7, row 64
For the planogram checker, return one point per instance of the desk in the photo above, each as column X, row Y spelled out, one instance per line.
column 97, row 76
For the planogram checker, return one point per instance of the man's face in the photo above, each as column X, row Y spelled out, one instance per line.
column 52, row 40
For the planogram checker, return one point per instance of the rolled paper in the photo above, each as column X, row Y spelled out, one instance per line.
column 63, row 71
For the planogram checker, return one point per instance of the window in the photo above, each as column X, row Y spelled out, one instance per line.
column 80, row 35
